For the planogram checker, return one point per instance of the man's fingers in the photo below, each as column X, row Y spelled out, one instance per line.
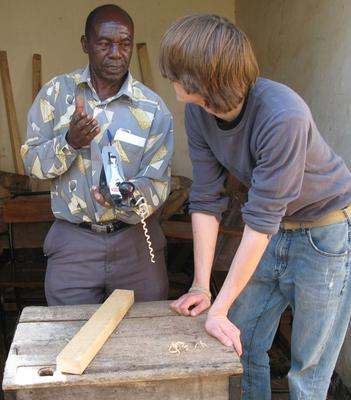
column 77, row 117
column 95, row 131
column 79, row 105
column 99, row 197
column 88, row 127
column 84, row 122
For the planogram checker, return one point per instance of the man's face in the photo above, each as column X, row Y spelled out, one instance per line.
column 109, row 47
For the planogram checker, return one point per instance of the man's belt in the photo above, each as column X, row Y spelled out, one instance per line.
column 107, row 227
column 331, row 218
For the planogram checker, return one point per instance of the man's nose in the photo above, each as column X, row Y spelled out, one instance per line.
column 114, row 50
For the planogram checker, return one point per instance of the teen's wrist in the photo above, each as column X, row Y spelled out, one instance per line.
column 217, row 310
column 200, row 289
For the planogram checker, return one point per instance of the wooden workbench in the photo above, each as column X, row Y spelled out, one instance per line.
column 134, row 364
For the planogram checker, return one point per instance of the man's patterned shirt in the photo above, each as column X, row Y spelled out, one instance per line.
column 141, row 128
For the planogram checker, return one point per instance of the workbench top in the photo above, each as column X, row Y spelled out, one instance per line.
column 139, row 350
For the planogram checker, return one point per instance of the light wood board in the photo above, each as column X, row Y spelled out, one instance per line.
column 85, row 344
column 15, row 137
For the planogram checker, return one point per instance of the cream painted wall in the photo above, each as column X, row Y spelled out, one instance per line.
column 307, row 44
column 53, row 29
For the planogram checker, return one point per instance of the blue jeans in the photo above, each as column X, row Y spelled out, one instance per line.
column 310, row 270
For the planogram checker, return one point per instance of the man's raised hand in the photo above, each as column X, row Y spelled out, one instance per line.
column 82, row 128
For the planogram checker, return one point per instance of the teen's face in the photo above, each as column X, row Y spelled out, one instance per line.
column 193, row 98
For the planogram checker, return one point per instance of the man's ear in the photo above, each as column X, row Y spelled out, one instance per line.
column 84, row 42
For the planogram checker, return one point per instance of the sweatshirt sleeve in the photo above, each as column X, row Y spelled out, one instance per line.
column 277, row 177
column 208, row 174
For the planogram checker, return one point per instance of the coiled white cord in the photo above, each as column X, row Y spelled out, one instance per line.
column 142, row 211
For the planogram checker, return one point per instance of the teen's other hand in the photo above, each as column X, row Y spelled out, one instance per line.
column 222, row 329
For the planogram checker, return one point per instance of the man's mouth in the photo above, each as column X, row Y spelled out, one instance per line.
column 114, row 67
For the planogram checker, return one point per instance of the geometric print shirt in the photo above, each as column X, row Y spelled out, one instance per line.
column 135, row 121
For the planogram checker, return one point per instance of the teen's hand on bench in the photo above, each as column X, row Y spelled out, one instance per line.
column 191, row 304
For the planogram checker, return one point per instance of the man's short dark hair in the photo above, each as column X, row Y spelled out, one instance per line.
column 99, row 11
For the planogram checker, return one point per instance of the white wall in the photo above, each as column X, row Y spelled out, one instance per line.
column 307, row 45
column 53, row 29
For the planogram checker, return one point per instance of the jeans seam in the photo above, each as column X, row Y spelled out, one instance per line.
column 326, row 340
column 249, row 375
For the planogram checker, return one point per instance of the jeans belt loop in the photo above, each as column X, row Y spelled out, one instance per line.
column 347, row 213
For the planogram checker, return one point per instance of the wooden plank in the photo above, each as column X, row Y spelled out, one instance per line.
column 145, row 67
column 11, row 113
column 36, row 75
column 79, row 352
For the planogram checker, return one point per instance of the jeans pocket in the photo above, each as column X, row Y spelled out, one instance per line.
column 329, row 240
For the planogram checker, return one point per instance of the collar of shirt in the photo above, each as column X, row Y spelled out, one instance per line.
column 125, row 90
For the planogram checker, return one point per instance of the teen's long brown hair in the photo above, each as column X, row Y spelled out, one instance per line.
column 208, row 55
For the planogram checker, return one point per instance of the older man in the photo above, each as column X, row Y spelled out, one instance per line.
column 93, row 249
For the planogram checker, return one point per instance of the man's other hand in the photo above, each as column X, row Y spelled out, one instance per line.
column 82, row 128
column 99, row 198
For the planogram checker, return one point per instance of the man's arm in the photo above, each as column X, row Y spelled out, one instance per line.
column 152, row 182
column 46, row 155
column 154, row 177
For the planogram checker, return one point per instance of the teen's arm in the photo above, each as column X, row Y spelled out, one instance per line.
column 205, row 231
column 245, row 261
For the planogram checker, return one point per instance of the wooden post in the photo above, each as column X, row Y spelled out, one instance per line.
column 78, row 353
column 11, row 113
column 36, row 75
column 145, row 67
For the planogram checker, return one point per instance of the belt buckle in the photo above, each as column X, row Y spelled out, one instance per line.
column 97, row 228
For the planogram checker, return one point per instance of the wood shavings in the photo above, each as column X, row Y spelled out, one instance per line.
column 200, row 345
column 178, row 347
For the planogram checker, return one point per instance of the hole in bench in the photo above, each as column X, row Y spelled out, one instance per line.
column 46, row 371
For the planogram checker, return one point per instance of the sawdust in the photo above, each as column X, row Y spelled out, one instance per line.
column 180, row 347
